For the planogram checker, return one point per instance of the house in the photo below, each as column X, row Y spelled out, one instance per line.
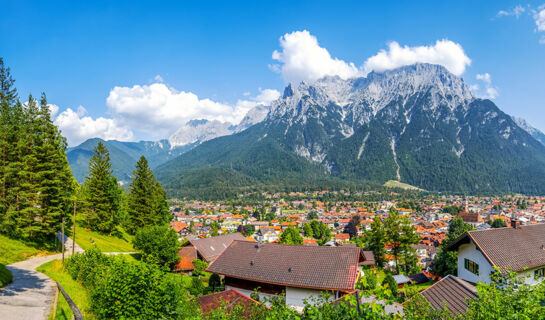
column 228, row 299
column 452, row 292
column 342, row 237
column 401, row 280
column 518, row 248
column 301, row 272
column 207, row 249
column 268, row 234
column 187, row 255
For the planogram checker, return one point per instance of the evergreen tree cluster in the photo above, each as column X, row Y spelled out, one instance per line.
column 36, row 184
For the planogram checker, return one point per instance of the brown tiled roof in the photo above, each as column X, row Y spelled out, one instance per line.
column 210, row 248
column 368, row 258
column 327, row 268
column 187, row 255
column 227, row 299
column 452, row 292
column 509, row 248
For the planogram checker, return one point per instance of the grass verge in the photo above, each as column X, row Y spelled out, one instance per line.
column 87, row 239
column 5, row 276
column 13, row 250
column 77, row 293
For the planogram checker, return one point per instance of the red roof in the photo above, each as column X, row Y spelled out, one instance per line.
column 228, row 299
column 326, row 268
column 342, row 236
column 187, row 255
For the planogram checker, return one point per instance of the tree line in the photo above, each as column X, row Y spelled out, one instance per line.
column 38, row 190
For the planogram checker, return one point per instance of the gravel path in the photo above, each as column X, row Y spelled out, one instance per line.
column 30, row 296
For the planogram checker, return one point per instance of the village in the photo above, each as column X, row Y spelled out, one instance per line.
column 243, row 244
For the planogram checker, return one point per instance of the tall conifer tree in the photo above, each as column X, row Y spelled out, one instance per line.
column 102, row 193
column 146, row 200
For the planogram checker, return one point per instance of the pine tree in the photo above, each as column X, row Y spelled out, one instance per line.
column 55, row 180
column 102, row 195
column 376, row 239
column 146, row 200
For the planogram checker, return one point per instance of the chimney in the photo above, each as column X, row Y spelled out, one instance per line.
column 515, row 223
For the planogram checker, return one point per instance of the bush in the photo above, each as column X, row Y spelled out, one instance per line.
column 159, row 245
column 5, row 276
column 197, row 288
column 88, row 267
column 137, row 291
column 214, row 283
column 200, row 266
column 392, row 284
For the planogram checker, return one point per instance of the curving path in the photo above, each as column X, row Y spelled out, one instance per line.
column 31, row 294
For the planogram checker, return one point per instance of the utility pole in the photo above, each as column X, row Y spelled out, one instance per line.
column 62, row 242
column 74, row 229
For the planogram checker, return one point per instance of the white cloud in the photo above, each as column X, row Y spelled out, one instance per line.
column 157, row 110
column 516, row 11
column 488, row 91
column 77, row 127
column 158, row 78
column 449, row 54
column 302, row 59
column 539, row 17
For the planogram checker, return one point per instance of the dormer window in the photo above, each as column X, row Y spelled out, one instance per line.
column 471, row 266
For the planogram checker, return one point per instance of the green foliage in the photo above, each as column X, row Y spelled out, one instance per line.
column 320, row 232
column 101, row 193
column 200, row 266
column 158, row 244
column 498, row 223
column 14, row 250
column 390, row 283
column 291, row 235
column 453, row 210
column 36, row 183
column 5, row 276
column 197, row 287
column 313, row 215
column 401, row 236
column 146, row 200
column 508, row 297
column 137, row 290
column 87, row 267
column 307, row 230
column 246, row 230
column 376, row 239
column 353, row 224
column 214, row 283
column 446, row 262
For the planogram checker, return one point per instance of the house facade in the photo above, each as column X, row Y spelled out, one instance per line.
column 517, row 248
column 301, row 272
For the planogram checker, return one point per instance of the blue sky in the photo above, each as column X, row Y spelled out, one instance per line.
column 220, row 54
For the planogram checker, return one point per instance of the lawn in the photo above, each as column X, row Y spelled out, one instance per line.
column 77, row 293
column 5, row 276
column 87, row 239
column 16, row 250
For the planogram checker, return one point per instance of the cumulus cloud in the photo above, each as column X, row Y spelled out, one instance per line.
column 77, row 127
column 539, row 17
column 302, row 59
column 158, row 110
column 487, row 91
column 516, row 11
column 449, row 54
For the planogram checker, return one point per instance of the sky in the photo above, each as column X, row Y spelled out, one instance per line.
column 138, row 70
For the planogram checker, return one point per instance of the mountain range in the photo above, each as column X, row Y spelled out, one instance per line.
column 417, row 124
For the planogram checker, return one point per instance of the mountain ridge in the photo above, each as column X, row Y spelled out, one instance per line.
column 417, row 124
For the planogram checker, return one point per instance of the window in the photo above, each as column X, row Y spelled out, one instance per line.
column 471, row 266
column 539, row 273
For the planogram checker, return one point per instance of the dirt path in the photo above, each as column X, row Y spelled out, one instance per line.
column 30, row 296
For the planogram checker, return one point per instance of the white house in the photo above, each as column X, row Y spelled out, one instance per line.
column 301, row 272
column 517, row 248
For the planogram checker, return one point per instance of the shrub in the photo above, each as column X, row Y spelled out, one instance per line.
column 88, row 267
column 5, row 276
column 197, row 288
column 392, row 284
column 137, row 291
column 159, row 245
column 200, row 266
